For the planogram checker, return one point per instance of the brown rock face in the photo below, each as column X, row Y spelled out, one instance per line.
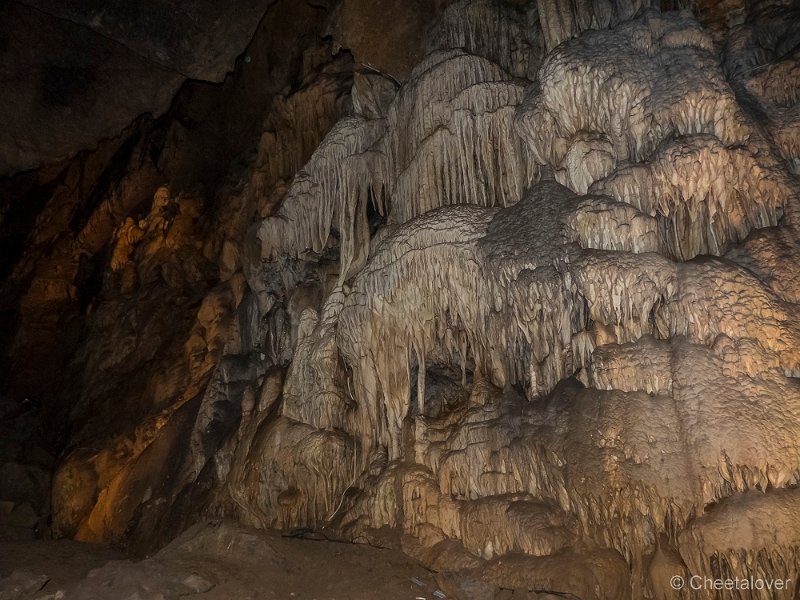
column 74, row 73
column 512, row 287
column 387, row 35
column 198, row 39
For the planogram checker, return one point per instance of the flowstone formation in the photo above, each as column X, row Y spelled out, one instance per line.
column 561, row 344
column 520, row 298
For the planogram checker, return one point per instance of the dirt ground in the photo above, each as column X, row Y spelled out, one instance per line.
column 213, row 561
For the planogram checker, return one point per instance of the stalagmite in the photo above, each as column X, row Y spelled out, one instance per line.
column 556, row 285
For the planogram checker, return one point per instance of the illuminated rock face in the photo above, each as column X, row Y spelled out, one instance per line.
column 569, row 370
column 530, row 311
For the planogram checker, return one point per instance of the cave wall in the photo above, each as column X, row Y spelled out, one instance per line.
column 77, row 73
column 510, row 285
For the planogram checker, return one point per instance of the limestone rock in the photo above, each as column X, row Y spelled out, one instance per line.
column 199, row 42
column 20, row 585
column 65, row 63
column 516, row 294
column 387, row 35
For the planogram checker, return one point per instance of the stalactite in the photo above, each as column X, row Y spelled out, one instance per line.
column 421, row 156
column 590, row 346
column 714, row 544
column 636, row 85
column 494, row 29
column 705, row 196
column 327, row 191
column 563, row 20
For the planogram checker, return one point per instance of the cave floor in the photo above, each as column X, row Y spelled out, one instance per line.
column 213, row 561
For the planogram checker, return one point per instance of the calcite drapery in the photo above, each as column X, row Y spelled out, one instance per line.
column 615, row 342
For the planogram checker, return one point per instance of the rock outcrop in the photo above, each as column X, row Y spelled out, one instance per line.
column 519, row 297
column 76, row 73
